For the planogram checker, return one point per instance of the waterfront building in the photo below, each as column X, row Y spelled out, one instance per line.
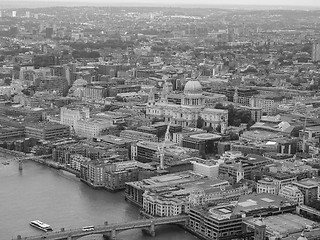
column 47, row 131
column 134, row 190
column 174, row 200
column 76, row 160
column 193, row 107
column 93, row 173
column 119, row 173
column 217, row 194
column 11, row 132
column 215, row 222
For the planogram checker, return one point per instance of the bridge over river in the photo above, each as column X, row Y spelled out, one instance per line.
column 109, row 231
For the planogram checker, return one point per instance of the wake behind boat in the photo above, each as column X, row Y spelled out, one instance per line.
column 40, row 225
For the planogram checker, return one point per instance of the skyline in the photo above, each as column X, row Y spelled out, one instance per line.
column 307, row 4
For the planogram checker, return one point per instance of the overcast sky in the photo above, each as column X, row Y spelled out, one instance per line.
column 208, row 2
column 300, row 3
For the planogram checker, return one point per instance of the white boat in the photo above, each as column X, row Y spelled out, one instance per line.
column 40, row 225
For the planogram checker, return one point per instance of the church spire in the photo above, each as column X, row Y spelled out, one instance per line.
column 151, row 98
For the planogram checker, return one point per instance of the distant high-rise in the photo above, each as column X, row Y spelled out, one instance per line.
column 27, row 14
column 0, row 14
column 316, row 51
column 49, row 32
column 14, row 13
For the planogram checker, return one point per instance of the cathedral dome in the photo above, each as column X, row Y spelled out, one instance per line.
column 79, row 82
column 193, row 87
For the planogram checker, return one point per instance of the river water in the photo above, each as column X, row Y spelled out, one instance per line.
column 61, row 200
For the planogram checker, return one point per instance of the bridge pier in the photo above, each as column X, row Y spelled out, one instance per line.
column 113, row 235
column 20, row 165
column 150, row 231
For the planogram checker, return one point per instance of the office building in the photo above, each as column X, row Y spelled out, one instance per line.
column 315, row 51
column 309, row 188
column 47, row 131
column 292, row 193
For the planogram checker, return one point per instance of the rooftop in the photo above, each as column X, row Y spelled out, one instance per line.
column 285, row 224
column 254, row 202
column 205, row 136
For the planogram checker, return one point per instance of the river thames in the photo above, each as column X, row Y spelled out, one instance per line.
column 61, row 200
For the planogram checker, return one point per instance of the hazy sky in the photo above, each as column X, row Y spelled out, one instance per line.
column 296, row 4
column 194, row 2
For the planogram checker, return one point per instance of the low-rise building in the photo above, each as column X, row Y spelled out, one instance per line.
column 292, row 193
column 267, row 185
column 135, row 190
column 309, row 188
column 47, row 130
column 208, row 168
column 139, row 136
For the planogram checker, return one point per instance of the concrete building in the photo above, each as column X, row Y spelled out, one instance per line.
column 174, row 200
column 95, row 92
column 266, row 185
column 215, row 222
column 316, row 51
column 292, row 193
column 135, row 190
column 91, row 128
column 70, row 116
column 208, row 168
column 248, row 164
column 76, row 160
column 217, row 194
column 138, row 136
column 47, row 131
column 93, row 173
column 205, row 143
column 309, row 188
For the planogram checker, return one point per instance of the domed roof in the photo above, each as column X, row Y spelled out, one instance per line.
column 80, row 82
column 193, row 87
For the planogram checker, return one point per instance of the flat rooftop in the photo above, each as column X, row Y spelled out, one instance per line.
column 115, row 139
column 205, row 136
column 254, row 202
column 285, row 224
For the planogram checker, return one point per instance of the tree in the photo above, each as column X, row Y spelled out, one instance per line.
column 237, row 122
column 208, row 129
column 218, row 128
column 200, row 122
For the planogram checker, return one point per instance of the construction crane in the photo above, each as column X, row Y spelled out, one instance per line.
column 304, row 135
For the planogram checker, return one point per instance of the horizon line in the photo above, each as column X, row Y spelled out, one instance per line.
column 83, row 3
